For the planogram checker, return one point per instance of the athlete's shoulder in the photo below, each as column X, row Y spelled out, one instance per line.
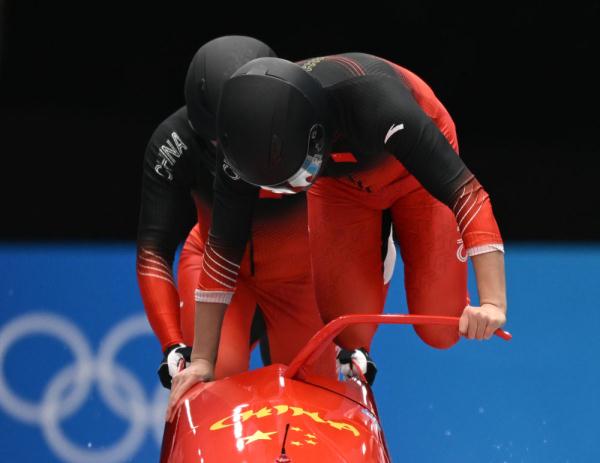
column 174, row 130
column 333, row 70
column 172, row 143
column 374, row 108
column 371, row 95
column 371, row 65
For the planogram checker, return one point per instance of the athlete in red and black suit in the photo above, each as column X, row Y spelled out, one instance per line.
column 180, row 165
column 367, row 135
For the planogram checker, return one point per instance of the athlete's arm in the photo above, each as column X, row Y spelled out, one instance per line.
column 481, row 322
column 231, row 226
column 166, row 214
column 414, row 139
column 406, row 132
column 230, row 231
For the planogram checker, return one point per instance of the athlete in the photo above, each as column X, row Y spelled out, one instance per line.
column 365, row 135
column 179, row 166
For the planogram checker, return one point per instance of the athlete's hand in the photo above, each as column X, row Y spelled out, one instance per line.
column 348, row 360
column 481, row 322
column 198, row 371
column 172, row 361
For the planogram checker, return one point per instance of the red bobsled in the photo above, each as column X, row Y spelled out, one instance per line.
column 279, row 414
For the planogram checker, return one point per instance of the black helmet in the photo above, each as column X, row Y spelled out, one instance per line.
column 211, row 66
column 273, row 125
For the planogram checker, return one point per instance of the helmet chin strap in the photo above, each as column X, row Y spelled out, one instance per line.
column 301, row 180
column 281, row 191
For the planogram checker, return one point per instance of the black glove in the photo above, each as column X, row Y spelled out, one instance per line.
column 170, row 363
column 346, row 360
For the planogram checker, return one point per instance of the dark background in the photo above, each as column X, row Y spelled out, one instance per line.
column 82, row 87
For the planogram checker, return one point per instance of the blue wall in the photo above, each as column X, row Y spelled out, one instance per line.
column 534, row 399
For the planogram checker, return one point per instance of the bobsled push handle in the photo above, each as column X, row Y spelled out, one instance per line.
column 325, row 335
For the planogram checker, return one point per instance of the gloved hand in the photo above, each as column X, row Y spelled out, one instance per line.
column 170, row 363
column 349, row 360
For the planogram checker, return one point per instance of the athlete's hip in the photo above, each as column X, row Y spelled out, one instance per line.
column 378, row 187
column 280, row 253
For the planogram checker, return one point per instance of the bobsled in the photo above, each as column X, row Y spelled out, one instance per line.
column 282, row 414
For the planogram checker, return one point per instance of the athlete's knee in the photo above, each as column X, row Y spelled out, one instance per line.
column 328, row 316
column 439, row 337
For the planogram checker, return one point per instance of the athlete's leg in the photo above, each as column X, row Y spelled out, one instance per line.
column 292, row 318
column 258, row 336
column 345, row 243
column 435, row 268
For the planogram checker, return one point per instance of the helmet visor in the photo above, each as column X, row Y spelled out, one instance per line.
column 310, row 169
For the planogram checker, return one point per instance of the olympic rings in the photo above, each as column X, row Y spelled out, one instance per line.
column 69, row 388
